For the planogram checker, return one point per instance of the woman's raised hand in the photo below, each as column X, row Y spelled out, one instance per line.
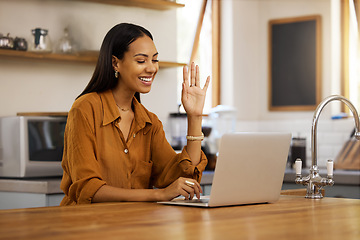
column 193, row 96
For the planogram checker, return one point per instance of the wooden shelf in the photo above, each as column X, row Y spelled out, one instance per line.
column 84, row 57
column 150, row 4
column 89, row 57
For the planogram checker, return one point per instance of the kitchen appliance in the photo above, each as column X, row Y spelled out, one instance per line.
column 40, row 41
column 178, row 130
column 31, row 146
column 222, row 120
column 298, row 150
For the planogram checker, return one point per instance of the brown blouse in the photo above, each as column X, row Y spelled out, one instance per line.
column 96, row 153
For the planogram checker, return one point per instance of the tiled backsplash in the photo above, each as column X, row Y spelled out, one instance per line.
column 331, row 134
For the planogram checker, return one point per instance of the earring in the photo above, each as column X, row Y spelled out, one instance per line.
column 116, row 74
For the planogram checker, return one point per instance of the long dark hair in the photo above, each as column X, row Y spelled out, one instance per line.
column 116, row 42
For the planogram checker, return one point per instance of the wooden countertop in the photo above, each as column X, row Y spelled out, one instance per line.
column 292, row 217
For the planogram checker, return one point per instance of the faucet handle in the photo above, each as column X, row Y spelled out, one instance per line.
column 330, row 168
column 298, row 166
column 357, row 135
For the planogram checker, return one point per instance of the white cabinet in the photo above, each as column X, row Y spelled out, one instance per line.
column 12, row 200
column 29, row 193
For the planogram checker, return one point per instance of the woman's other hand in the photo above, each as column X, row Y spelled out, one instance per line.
column 193, row 96
column 186, row 187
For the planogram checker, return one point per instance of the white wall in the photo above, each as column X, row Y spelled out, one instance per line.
column 28, row 86
column 249, row 48
column 245, row 59
column 38, row 86
column 244, row 70
column 331, row 134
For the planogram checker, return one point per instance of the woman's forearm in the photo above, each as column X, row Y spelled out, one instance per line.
column 178, row 187
column 194, row 147
column 193, row 99
column 112, row 194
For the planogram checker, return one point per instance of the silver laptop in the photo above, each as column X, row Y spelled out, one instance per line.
column 249, row 169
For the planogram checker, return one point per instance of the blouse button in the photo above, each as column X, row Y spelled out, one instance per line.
column 134, row 135
column 126, row 150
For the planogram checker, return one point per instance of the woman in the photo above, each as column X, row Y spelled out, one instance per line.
column 115, row 149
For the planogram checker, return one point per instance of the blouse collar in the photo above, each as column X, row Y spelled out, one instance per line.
column 111, row 112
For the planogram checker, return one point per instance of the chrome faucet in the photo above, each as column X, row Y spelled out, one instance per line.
column 314, row 181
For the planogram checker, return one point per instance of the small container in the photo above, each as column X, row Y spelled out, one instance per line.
column 66, row 44
column 40, row 41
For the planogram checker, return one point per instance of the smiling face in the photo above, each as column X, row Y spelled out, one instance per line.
column 138, row 67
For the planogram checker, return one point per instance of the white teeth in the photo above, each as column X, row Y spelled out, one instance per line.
column 145, row 79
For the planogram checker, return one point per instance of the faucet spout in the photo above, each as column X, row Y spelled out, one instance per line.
column 316, row 118
column 314, row 181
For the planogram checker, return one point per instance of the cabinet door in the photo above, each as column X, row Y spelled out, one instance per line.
column 12, row 200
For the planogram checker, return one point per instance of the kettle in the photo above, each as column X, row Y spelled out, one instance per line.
column 20, row 44
column 6, row 42
column 40, row 41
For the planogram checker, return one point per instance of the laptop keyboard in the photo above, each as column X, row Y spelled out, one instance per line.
column 206, row 200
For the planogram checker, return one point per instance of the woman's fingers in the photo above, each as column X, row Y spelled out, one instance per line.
column 189, row 192
column 186, row 187
column 207, row 83
column 186, row 75
column 192, row 187
column 197, row 76
column 194, row 76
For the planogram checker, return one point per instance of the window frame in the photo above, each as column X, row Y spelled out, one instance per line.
column 345, row 51
column 216, row 46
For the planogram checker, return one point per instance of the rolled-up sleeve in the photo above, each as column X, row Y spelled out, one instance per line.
column 188, row 168
column 169, row 165
column 82, row 174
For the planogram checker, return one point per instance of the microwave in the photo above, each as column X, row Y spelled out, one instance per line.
column 31, row 146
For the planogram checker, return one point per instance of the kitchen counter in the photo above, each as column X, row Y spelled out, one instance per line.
column 38, row 185
column 291, row 217
column 41, row 192
column 347, row 183
column 25, row 193
column 52, row 185
column 345, row 177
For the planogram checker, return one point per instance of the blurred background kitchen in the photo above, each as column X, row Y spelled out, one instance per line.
column 228, row 39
